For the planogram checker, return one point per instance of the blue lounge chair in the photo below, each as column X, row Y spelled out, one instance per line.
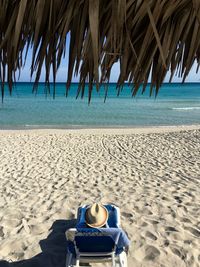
column 89, row 245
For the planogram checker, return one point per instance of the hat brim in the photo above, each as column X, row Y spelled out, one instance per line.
column 98, row 225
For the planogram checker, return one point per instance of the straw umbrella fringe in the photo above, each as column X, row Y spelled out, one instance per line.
column 147, row 37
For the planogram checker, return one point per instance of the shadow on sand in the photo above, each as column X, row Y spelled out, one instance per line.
column 53, row 248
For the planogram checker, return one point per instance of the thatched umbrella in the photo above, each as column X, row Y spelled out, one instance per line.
column 147, row 37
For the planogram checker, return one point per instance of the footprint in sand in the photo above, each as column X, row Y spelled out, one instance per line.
column 10, row 223
column 126, row 214
column 170, row 229
column 188, row 242
column 193, row 231
column 17, row 256
column 179, row 252
column 151, row 253
column 144, row 224
column 185, row 220
column 147, row 253
column 154, row 222
column 37, row 229
column 166, row 243
column 151, row 236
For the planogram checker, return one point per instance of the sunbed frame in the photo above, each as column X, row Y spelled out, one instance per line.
column 92, row 257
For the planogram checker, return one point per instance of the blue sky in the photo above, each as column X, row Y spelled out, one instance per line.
column 62, row 72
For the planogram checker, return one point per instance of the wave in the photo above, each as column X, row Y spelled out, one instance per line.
column 187, row 108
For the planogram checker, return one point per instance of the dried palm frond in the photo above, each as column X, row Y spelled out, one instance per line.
column 147, row 37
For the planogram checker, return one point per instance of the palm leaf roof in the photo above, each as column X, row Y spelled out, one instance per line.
column 147, row 37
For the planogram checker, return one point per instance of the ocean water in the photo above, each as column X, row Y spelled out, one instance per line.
column 176, row 104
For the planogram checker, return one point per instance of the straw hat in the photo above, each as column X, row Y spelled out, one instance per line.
column 96, row 216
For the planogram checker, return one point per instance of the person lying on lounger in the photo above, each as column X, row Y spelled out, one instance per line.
column 105, row 218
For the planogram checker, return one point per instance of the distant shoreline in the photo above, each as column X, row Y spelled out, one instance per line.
column 103, row 130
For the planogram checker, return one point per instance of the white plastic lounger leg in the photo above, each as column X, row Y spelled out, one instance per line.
column 113, row 260
column 69, row 259
column 123, row 259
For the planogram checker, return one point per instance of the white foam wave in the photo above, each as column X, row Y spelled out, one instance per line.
column 187, row 108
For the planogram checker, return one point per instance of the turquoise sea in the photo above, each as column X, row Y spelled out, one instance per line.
column 176, row 104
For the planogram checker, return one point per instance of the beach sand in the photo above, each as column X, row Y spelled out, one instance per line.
column 152, row 174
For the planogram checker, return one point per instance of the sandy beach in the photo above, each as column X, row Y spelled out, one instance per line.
column 152, row 174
